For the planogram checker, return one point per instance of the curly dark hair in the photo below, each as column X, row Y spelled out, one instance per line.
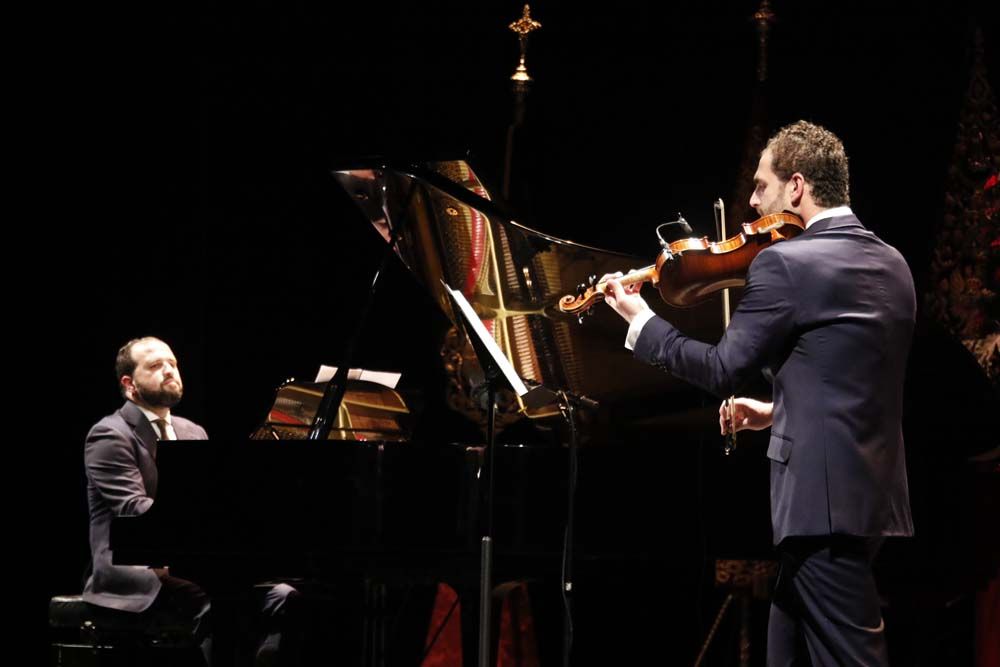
column 817, row 154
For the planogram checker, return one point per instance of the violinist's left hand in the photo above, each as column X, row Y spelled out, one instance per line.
column 625, row 300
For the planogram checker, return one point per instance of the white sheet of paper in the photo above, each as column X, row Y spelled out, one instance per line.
column 384, row 378
column 477, row 325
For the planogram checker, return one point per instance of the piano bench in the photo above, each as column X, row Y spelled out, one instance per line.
column 85, row 635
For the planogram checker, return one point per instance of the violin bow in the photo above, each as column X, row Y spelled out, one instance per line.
column 720, row 223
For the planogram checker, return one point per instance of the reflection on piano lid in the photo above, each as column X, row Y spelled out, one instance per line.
column 513, row 276
column 369, row 411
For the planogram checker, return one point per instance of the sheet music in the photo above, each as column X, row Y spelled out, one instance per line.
column 384, row 378
column 487, row 340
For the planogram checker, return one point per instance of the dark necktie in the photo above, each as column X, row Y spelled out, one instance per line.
column 161, row 425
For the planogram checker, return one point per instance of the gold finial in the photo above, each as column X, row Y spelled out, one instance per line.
column 764, row 14
column 523, row 26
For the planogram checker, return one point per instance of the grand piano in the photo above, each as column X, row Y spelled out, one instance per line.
column 376, row 503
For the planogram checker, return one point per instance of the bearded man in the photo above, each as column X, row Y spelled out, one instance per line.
column 120, row 462
column 828, row 317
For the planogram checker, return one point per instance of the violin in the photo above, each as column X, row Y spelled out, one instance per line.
column 688, row 271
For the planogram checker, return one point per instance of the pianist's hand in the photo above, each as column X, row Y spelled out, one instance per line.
column 749, row 414
column 625, row 300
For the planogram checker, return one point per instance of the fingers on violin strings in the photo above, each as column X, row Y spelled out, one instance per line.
column 634, row 287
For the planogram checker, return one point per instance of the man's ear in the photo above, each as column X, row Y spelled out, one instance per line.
column 127, row 385
column 799, row 185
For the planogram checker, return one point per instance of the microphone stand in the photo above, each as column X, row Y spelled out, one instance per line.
column 568, row 407
column 486, row 548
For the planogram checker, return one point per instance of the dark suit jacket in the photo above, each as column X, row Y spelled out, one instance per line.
column 120, row 460
column 828, row 316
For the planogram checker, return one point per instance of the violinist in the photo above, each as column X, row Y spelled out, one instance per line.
column 828, row 317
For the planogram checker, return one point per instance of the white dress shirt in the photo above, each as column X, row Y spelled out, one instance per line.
column 152, row 417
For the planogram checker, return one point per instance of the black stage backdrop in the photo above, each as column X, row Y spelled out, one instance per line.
column 188, row 177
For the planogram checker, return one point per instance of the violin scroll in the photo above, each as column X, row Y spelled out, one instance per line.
column 587, row 295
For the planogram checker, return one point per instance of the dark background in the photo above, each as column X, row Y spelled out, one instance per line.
column 191, row 159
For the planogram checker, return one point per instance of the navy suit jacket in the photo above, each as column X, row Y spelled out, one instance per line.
column 828, row 316
column 120, row 460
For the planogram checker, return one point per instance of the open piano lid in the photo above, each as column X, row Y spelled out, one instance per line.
column 514, row 276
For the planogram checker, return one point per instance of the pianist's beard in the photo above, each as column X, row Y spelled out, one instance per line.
column 167, row 395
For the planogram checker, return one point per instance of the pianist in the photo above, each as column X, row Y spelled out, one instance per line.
column 120, row 462
column 829, row 315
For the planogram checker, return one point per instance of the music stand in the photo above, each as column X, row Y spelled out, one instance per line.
column 499, row 374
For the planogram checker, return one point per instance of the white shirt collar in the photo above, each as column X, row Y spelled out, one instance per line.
column 152, row 416
column 834, row 212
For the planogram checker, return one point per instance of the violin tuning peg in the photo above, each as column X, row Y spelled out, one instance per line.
column 592, row 280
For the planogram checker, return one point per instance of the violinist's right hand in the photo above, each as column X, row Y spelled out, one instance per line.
column 624, row 299
column 747, row 414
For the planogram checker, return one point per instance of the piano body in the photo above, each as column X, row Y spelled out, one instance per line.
column 372, row 502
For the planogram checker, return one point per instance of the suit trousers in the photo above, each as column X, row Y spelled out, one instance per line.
column 183, row 603
column 825, row 610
